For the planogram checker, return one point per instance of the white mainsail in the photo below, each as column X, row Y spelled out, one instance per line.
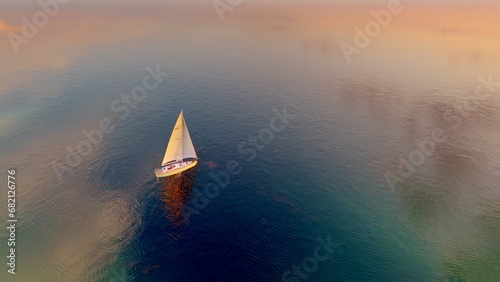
column 179, row 146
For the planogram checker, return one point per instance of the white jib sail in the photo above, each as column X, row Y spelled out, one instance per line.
column 188, row 148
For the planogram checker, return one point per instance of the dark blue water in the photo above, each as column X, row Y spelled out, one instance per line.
column 314, row 181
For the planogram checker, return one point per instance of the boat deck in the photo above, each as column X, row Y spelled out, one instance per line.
column 171, row 169
column 175, row 166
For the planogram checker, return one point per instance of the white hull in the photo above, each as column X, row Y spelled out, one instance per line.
column 171, row 169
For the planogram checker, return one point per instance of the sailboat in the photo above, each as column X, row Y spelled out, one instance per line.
column 180, row 154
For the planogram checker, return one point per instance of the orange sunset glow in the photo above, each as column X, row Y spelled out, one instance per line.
column 328, row 140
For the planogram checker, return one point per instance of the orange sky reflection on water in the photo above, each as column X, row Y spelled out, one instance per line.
column 458, row 28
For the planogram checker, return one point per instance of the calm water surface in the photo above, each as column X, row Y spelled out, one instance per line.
column 321, row 176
